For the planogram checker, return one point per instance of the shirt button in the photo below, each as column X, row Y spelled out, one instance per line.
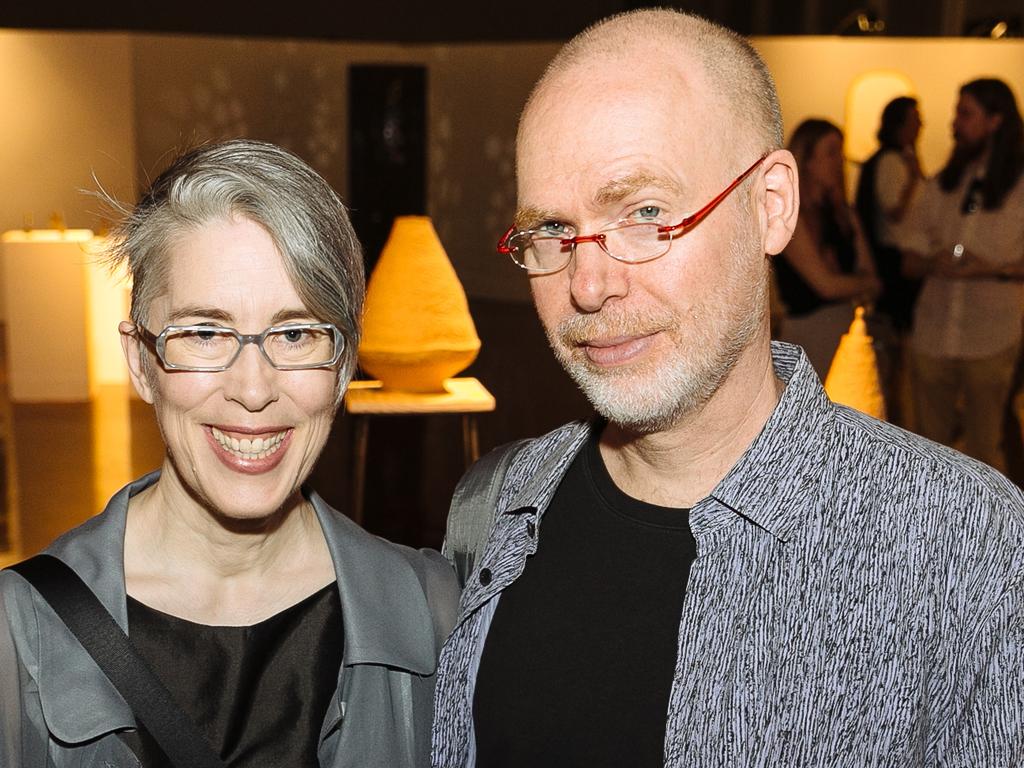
column 485, row 576
column 531, row 529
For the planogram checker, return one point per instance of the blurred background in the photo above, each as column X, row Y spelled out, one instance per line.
column 405, row 109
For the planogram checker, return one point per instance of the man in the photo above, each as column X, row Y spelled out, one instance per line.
column 966, row 236
column 725, row 569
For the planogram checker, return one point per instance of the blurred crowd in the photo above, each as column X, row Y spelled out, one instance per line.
column 938, row 262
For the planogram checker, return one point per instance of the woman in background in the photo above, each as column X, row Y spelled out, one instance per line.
column 826, row 269
column 885, row 190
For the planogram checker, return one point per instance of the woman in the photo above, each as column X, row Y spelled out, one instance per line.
column 288, row 634
column 826, row 269
column 888, row 183
column 885, row 190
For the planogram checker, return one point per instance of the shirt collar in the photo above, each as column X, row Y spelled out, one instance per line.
column 787, row 458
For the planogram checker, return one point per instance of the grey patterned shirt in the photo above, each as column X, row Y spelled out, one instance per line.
column 855, row 601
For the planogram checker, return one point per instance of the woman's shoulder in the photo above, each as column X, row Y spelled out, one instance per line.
column 362, row 557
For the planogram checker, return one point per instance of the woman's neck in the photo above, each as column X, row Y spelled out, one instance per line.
column 183, row 558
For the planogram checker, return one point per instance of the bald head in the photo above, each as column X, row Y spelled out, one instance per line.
column 643, row 44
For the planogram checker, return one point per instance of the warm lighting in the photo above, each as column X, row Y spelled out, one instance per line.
column 865, row 99
column 853, row 376
column 46, row 236
column 417, row 330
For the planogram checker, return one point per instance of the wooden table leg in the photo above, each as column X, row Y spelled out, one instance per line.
column 361, row 434
column 470, row 439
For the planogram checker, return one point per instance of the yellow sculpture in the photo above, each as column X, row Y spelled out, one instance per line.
column 417, row 330
column 853, row 376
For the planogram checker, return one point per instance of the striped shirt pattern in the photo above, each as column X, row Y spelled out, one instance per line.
column 856, row 599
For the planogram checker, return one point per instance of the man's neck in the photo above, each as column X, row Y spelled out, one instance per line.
column 679, row 466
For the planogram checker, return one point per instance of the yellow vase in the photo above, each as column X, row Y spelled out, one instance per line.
column 853, row 376
column 417, row 330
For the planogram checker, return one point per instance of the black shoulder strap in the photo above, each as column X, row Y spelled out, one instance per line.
column 473, row 507
column 100, row 635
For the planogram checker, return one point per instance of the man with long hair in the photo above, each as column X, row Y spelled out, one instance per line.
column 966, row 239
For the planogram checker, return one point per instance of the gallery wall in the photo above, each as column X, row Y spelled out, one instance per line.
column 118, row 105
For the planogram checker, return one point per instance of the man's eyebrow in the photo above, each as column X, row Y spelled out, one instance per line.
column 619, row 189
column 528, row 217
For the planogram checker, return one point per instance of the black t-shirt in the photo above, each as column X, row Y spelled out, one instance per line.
column 260, row 692
column 578, row 663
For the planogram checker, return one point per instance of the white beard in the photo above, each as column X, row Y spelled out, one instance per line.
column 664, row 388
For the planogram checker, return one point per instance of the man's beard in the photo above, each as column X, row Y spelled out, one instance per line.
column 704, row 345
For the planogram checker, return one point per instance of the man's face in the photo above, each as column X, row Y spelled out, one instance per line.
column 648, row 343
column 972, row 125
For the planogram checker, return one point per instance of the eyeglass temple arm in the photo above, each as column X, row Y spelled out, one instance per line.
column 695, row 218
column 503, row 243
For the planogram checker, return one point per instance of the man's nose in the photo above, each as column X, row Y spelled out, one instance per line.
column 595, row 277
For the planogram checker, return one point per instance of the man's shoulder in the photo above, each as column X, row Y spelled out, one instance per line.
column 923, row 471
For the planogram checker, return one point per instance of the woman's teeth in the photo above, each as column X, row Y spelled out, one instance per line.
column 246, row 448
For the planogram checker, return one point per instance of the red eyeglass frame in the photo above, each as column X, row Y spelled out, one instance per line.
column 689, row 222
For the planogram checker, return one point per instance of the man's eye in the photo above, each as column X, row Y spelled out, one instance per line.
column 647, row 213
column 553, row 229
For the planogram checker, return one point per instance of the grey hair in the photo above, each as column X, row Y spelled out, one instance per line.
column 272, row 187
column 737, row 73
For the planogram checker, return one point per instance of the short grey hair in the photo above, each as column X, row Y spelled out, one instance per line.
column 272, row 187
column 736, row 72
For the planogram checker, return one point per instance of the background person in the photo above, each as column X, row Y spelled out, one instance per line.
column 886, row 187
column 885, row 190
column 827, row 268
column 288, row 634
column 965, row 238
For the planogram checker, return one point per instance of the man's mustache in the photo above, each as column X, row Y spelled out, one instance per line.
column 612, row 324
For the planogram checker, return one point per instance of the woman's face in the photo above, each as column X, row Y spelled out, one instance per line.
column 825, row 166
column 911, row 127
column 240, row 441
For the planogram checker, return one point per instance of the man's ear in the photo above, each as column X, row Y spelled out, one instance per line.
column 133, row 354
column 781, row 201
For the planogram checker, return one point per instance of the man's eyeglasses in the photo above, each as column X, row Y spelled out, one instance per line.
column 292, row 347
column 551, row 247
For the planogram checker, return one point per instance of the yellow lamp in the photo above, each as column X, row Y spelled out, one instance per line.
column 853, row 376
column 417, row 330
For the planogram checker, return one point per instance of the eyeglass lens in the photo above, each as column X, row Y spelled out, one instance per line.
column 215, row 347
column 629, row 242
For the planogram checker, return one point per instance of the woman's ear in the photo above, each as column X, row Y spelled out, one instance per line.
column 134, row 351
column 781, row 200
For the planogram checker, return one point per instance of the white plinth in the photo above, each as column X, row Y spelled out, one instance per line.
column 44, row 299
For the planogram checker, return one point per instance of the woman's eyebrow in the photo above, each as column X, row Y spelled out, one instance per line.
column 197, row 310
column 287, row 315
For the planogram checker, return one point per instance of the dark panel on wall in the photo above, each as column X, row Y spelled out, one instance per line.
column 387, row 150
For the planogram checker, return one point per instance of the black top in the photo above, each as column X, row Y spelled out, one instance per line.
column 260, row 693
column 796, row 293
column 578, row 663
column 899, row 293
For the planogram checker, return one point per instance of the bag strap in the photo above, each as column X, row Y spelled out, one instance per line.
column 474, row 505
column 94, row 627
